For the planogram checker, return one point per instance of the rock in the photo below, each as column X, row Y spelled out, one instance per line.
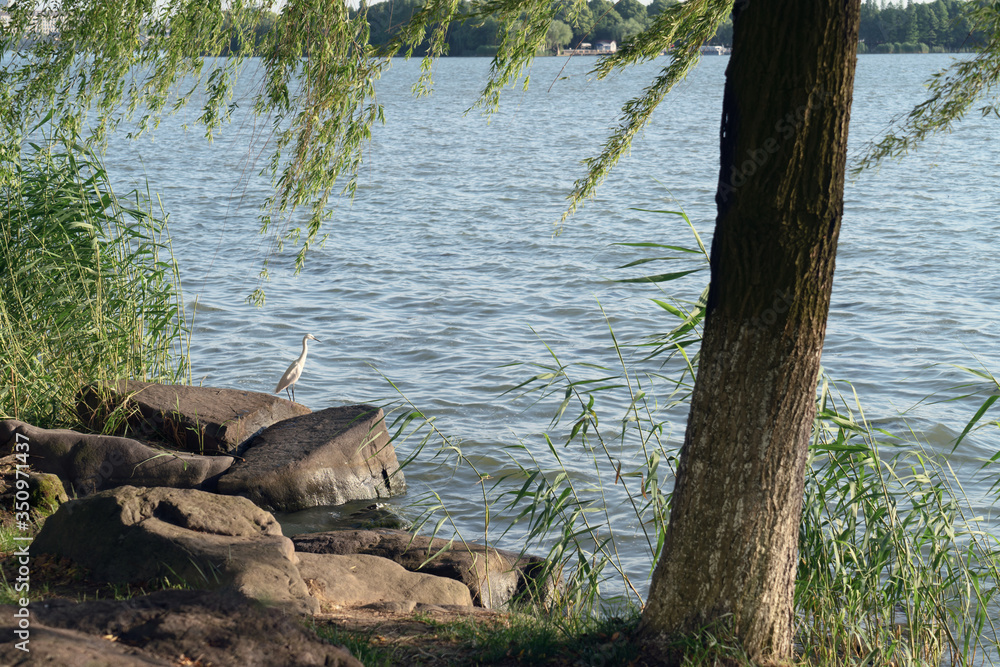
column 377, row 515
column 202, row 540
column 66, row 648
column 172, row 628
column 495, row 577
column 45, row 491
column 203, row 420
column 359, row 580
column 324, row 458
column 89, row 463
column 353, row 515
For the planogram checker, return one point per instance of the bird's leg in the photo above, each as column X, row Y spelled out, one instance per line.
column 286, row 393
column 293, row 393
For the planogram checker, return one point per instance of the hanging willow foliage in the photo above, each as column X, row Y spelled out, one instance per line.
column 96, row 64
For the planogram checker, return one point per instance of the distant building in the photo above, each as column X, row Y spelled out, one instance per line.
column 44, row 22
column 606, row 47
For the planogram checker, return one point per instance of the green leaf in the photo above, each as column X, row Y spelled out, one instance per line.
column 972, row 422
column 662, row 277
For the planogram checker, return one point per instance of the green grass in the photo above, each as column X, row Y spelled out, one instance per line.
column 90, row 286
column 10, row 533
column 523, row 639
column 363, row 645
column 541, row 639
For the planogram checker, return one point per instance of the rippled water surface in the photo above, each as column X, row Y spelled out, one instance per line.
column 445, row 267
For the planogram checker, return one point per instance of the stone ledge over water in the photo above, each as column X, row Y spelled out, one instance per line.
column 324, row 458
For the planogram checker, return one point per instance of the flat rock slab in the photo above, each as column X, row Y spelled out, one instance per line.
column 494, row 577
column 203, row 420
column 168, row 628
column 202, row 540
column 328, row 457
column 356, row 580
column 89, row 463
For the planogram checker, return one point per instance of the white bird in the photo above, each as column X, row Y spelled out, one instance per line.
column 294, row 371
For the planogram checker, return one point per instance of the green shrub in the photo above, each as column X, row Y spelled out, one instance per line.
column 912, row 47
column 91, row 292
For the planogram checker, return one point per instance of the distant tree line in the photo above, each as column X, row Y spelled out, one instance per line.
column 599, row 20
column 916, row 27
column 885, row 27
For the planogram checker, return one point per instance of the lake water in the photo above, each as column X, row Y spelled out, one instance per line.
column 445, row 267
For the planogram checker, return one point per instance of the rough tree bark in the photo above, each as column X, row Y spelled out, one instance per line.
column 731, row 547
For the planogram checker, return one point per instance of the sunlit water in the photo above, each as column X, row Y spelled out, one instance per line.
column 445, row 267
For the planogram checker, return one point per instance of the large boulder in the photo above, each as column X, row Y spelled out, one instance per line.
column 357, row 580
column 203, row 420
column 494, row 577
column 166, row 628
column 202, row 540
column 88, row 463
column 325, row 458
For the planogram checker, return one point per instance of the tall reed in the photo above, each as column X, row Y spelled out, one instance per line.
column 90, row 288
column 894, row 567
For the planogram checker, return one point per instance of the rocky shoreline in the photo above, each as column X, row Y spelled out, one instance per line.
column 180, row 497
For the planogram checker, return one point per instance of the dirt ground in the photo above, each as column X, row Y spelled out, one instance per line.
column 416, row 638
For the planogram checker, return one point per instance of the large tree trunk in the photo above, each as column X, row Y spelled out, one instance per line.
column 732, row 542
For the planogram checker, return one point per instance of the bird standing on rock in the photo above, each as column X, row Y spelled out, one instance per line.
column 294, row 371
